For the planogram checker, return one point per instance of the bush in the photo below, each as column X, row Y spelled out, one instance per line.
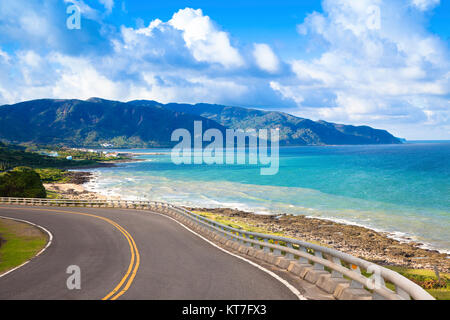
column 51, row 175
column 22, row 182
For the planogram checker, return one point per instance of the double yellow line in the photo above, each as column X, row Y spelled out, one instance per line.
column 131, row 272
column 133, row 267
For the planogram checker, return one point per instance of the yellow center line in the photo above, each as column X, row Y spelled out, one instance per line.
column 131, row 272
column 133, row 248
column 133, row 275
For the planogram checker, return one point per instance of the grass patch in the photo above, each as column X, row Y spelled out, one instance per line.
column 20, row 242
column 51, row 175
column 241, row 225
column 54, row 195
column 440, row 294
column 230, row 222
column 428, row 280
column 237, row 224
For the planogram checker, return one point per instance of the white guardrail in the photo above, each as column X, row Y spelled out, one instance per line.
column 338, row 273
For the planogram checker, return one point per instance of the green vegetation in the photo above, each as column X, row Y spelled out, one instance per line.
column 53, row 195
column 14, row 156
column 94, row 122
column 233, row 223
column 427, row 279
column 23, row 169
column 237, row 224
column 21, row 182
column 86, row 155
column 19, row 242
column 293, row 130
column 91, row 123
column 52, row 175
column 61, row 153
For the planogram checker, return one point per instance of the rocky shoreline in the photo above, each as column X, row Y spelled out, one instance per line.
column 74, row 188
column 358, row 241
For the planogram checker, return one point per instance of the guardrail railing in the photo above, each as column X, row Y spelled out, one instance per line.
column 318, row 261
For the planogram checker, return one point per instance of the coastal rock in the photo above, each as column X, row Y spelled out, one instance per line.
column 365, row 243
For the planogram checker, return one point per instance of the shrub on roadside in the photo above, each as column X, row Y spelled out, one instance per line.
column 22, row 182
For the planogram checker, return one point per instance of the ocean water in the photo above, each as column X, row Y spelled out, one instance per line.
column 400, row 189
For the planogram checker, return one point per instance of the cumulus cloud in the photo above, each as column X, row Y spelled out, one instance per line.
column 188, row 35
column 375, row 67
column 265, row 57
column 54, row 75
column 186, row 59
column 205, row 41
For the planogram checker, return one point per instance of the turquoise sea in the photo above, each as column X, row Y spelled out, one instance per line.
column 400, row 189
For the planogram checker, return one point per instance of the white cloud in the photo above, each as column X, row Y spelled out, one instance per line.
column 205, row 41
column 79, row 78
column 425, row 4
column 60, row 76
column 265, row 57
column 4, row 56
column 87, row 12
column 108, row 4
column 188, row 32
column 166, row 89
column 55, row 76
column 30, row 58
column 393, row 72
column 288, row 92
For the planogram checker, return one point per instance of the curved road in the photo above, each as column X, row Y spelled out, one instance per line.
column 108, row 245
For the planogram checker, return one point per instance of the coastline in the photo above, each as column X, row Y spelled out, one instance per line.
column 108, row 164
column 360, row 241
column 75, row 188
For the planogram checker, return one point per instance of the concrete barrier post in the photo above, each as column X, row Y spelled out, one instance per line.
column 334, row 273
column 318, row 266
column 355, row 284
column 302, row 259
column 266, row 249
column 288, row 254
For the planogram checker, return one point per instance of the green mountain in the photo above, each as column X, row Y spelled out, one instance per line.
column 145, row 123
column 293, row 130
column 93, row 122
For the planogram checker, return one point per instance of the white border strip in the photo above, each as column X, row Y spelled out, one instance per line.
column 50, row 239
column 274, row 275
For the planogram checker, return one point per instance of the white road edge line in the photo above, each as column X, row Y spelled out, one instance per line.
column 274, row 275
column 50, row 239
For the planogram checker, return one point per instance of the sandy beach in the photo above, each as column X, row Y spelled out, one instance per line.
column 75, row 188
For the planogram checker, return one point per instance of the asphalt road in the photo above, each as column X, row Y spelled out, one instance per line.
column 130, row 254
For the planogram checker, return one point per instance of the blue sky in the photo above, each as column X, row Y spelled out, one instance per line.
column 376, row 62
